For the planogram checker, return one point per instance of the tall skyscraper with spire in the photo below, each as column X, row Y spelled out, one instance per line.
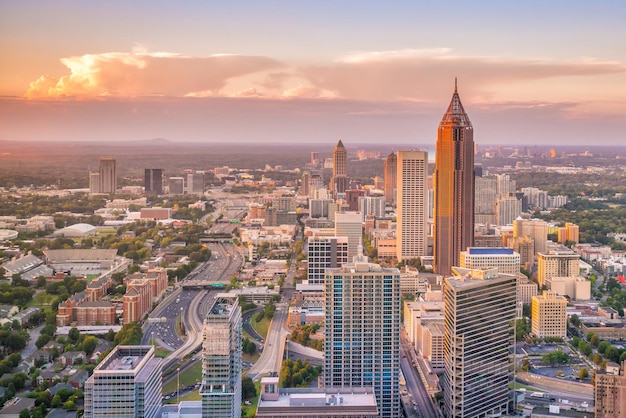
column 454, row 186
column 339, row 181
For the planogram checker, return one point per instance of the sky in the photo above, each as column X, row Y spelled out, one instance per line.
column 531, row 72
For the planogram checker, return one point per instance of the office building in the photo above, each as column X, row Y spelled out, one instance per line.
column 314, row 402
column 339, row 181
column 176, row 185
column 505, row 260
column 108, row 175
column 454, row 187
column 479, row 306
column 610, row 393
column 323, row 253
column 390, row 172
column 557, row 263
column 350, row 224
column 372, row 205
column 508, row 208
column 412, row 204
column 153, row 181
column 362, row 331
column 195, row 183
column 549, row 315
column 536, row 229
column 221, row 359
column 305, row 184
column 126, row 384
column 94, row 182
column 569, row 232
column 485, row 200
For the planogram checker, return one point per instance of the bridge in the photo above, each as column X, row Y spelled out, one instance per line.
column 203, row 284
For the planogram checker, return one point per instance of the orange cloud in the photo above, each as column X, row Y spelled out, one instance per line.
column 146, row 74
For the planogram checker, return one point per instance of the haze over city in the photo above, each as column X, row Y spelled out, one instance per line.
column 529, row 73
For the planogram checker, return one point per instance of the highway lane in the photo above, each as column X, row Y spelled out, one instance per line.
column 271, row 359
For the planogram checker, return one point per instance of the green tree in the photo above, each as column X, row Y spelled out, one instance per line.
column 583, row 373
column 73, row 335
column 248, row 390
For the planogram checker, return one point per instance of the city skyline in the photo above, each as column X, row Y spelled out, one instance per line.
column 311, row 72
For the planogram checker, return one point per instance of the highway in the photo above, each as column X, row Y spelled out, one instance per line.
column 271, row 357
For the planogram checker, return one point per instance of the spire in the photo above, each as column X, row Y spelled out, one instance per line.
column 340, row 144
column 455, row 115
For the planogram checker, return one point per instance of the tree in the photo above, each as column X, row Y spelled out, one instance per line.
column 575, row 320
column 25, row 413
column 248, row 390
column 555, row 357
column 73, row 335
column 89, row 344
column 583, row 373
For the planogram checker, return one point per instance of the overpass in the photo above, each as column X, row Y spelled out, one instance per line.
column 203, row 284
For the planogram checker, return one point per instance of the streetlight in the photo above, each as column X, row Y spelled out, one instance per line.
column 178, row 385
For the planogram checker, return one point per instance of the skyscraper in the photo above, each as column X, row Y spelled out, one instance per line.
column 127, row 383
column 339, row 181
column 108, row 175
column 412, row 204
column 350, row 224
column 478, row 306
column 221, row 359
column 362, row 333
column 390, row 178
column 153, row 180
column 454, row 186
column 323, row 253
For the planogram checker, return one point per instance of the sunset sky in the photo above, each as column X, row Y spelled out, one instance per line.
column 529, row 72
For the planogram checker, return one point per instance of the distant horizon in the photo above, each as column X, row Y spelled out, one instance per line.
column 276, row 72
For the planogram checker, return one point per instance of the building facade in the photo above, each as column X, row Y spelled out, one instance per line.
column 412, row 204
column 549, row 315
column 362, row 331
column 556, row 264
column 221, row 359
column 108, row 175
column 126, row 384
column 153, row 180
column 323, row 253
column 339, row 181
column 454, row 187
column 479, row 306
column 350, row 224
column 610, row 394
column 505, row 260
column 390, row 178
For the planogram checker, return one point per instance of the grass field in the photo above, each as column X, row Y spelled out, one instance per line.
column 188, row 377
column 261, row 327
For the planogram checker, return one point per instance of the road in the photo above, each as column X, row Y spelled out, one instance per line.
column 271, row 357
column 414, row 385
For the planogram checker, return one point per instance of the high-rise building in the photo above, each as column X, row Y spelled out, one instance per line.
column 454, row 186
column 339, row 181
column 176, row 185
column 108, row 175
column 390, row 178
column 195, row 183
column 478, row 308
column 508, row 208
column 362, row 331
column 127, row 384
column 549, row 315
column 610, row 390
column 350, row 224
column 563, row 263
column 505, row 260
column 372, row 205
column 94, row 182
column 412, row 204
column 537, row 229
column 305, row 184
column 153, row 180
column 485, row 200
column 323, row 253
column 221, row 359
